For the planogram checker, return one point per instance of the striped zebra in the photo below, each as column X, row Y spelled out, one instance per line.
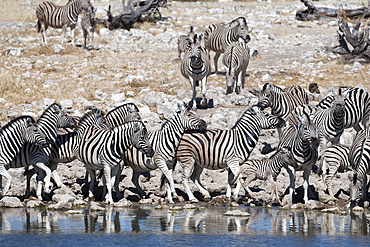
column 104, row 149
column 265, row 169
column 122, row 114
column 48, row 123
column 184, row 41
column 236, row 59
column 65, row 148
column 164, row 143
column 303, row 140
column 218, row 37
column 195, row 66
column 219, row 149
column 334, row 158
column 88, row 26
column 281, row 103
column 356, row 108
column 13, row 136
column 50, row 14
column 359, row 158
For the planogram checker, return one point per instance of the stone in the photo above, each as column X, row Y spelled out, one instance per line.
column 35, row 204
column 11, row 202
column 66, row 103
column 14, row 52
column 100, row 95
column 58, row 48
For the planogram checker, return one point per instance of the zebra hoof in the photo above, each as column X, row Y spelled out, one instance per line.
column 194, row 200
column 229, row 90
column 237, row 90
column 207, row 199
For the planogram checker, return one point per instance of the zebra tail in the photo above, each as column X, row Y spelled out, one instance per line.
column 38, row 26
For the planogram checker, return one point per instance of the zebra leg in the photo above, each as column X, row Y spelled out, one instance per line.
column 168, row 174
column 73, row 34
column 39, row 178
column 245, row 186
column 55, row 175
column 64, row 31
column 203, row 102
column 196, row 179
column 47, row 178
column 117, row 180
column 91, row 172
column 239, row 82
column 242, row 77
column 5, row 173
column 306, row 185
column 217, row 55
column 275, row 192
column 109, row 180
column 291, row 172
column 135, row 181
column 193, row 84
column 234, row 168
column 187, row 168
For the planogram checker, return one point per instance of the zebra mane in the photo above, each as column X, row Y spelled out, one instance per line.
column 11, row 122
column 87, row 115
column 52, row 105
column 127, row 105
column 240, row 21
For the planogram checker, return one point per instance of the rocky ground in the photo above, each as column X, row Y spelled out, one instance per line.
column 141, row 66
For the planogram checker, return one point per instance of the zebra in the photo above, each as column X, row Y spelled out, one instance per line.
column 103, row 149
column 281, row 103
column 356, row 108
column 303, row 140
column 13, row 136
column 65, row 148
column 88, row 26
column 265, row 169
column 359, row 158
column 164, row 143
column 218, row 37
column 333, row 158
column 195, row 66
column 122, row 114
column 50, row 14
column 184, row 41
column 236, row 59
column 48, row 123
column 219, row 149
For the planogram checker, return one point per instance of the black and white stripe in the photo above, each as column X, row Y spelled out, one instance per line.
column 219, row 149
column 164, row 143
column 13, row 136
column 265, row 169
column 334, row 158
column 218, row 37
column 50, row 14
column 184, row 41
column 48, row 123
column 103, row 149
column 303, row 140
column 122, row 114
column 195, row 66
column 236, row 59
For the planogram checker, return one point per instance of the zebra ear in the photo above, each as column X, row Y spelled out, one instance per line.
column 30, row 122
column 56, row 109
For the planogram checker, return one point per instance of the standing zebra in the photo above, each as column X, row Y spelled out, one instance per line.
column 303, row 140
column 281, row 103
column 333, row 158
column 50, row 14
column 236, row 59
column 184, row 41
column 48, row 123
column 219, row 149
column 103, row 149
column 359, row 158
column 13, row 136
column 88, row 26
column 265, row 169
column 164, row 143
column 218, row 37
column 65, row 147
column 195, row 66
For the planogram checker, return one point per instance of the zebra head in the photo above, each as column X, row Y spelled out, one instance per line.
column 262, row 120
column 266, row 96
column 189, row 120
column 308, row 130
column 240, row 26
column 355, row 188
column 195, row 51
column 93, row 117
column 84, row 5
column 64, row 120
column 32, row 134
column 140, row 139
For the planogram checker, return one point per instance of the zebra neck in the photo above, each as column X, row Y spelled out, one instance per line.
column 48, row 126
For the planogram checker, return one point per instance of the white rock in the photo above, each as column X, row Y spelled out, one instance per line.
column 58, row 48
column 47, row 102
column 14, row 52
column 118, row 97
column 11, row 202
column 266, row 77
column 100, row 95
column 66, row 103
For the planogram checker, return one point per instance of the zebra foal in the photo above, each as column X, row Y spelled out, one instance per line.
column 88, row 26
column 103, row 149
column 219, row 149
column 236, row 59
column 50, row 14
column 13, row 136
column 265, row 169
column 218, row 37
column 195, row 66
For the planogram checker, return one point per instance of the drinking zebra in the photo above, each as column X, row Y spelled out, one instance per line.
column 281, row 103
column 184, row 41
column 13, row 136
column 236, row 59
column 48, row 123
column 65, row 148
column 164, row 143
column 103, row 149
column 195, row 66
column 359, row 158
column 303, row 140
column 218, row 37
column 50, row 14
column 219, row 149
column 334, row 158
column 265, row 169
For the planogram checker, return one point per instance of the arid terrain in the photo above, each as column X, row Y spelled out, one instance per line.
column 141, row 66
